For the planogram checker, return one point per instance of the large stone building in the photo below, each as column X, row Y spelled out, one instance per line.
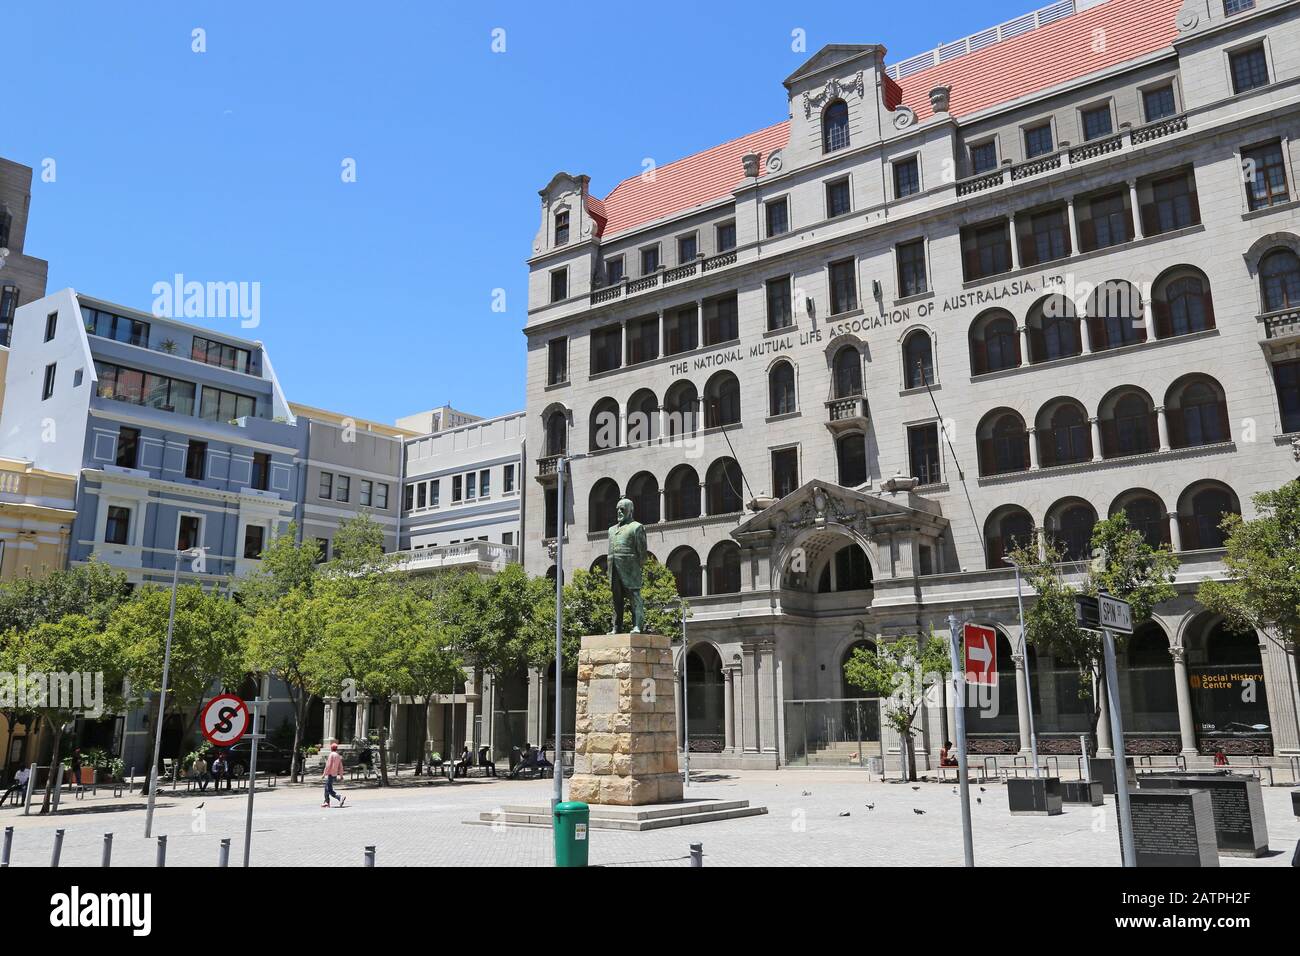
column 843, row 364
column 22, row 277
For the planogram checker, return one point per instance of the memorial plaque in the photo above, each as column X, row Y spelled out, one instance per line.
column 1039, row 796
column 1238, row 804
column 1087, row 792
column 602, row 696
column 1173, row 827
column 1103, row 770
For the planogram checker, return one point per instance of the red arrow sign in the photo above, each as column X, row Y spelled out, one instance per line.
column 981, row 654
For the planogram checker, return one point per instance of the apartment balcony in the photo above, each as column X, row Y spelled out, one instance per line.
column 1281, row 327
column 663, row 277
column 548, row 469
column 847, row 414
column 482, row 557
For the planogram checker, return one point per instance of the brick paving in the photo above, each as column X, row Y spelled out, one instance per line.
column 422, row 825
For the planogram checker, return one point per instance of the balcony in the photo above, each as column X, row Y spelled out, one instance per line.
column 847, row 414
column 548, row 469
column 483, row 557
column 663, row 277
column 1283, row 326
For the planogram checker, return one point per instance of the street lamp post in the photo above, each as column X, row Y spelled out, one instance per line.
column 1024, row 652
column 195, row 555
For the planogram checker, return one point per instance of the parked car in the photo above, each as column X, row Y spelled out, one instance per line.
column 270, row 758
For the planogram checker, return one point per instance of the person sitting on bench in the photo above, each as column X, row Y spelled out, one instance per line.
column 946, row 756
column 490, row 768
column 542, row 763
column 527, row 760
column 18, row 789
column 462, row 765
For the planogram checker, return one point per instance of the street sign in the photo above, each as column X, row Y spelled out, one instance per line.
column 1116, row 615
column 1087, row 615
column 981, row 654
column 225, row 720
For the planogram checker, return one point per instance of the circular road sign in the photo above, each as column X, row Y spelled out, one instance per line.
column 224, row 720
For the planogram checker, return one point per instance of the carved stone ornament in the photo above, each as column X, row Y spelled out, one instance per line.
column 904, row 117
column 834, row 90
column 750, row 164
column 774, row 161
column 1188, row 20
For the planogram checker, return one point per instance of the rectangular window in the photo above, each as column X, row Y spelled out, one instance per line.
column 120, row 328
column 1265, row 172
column 1097, row 123
column 222, row 406
column 455, row 488
column 508, row 479
column 1286, row 376
column 561, row 228
column 187, row 535
column 643, row 340
column 144, row 388
column 983, row 157
column 778, row 217
column 118, row 526
column 606, row 349
column 1038, row 140
column 381, row 496
column 254, row 540
column 8, row 304
column 322, row 550
column 47, row 387
column 51, row 323
column 649, row 260
column 907, row 178
column 613, row 270
column 326, row 485
column 923, row 453
column 557, row 361
column 683, row 330
column 261, row 471
column 1159, row 103
column 1249, row 69
column 196, row 457
column 128, row 447
column 220, row 354
column 469, row 487
column 785, row 471
column 726, row 236
column 838, row 200
column 721, row 320
column 911, row 269
column 422, row 500
column 559, row 285
column 844, row 287
column 366, row 497
column 779, row 313
column 1173, row 205
column 343, row 488
column 433, row 494
column 687, row 246
column 1237, row 6
column 507, row 537
column 484, row 484
column 1048, row 238
column 1109, row 222
column 408, row 497
column 987, row 251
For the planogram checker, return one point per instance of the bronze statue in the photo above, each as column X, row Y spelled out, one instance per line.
column 627, row 553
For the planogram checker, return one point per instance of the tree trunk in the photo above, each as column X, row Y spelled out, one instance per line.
column 911, row 755
column 301, row 699
column 424, row 736
column 54, row 764
column 383, row 749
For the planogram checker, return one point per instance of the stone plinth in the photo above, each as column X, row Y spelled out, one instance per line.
column 626, row 748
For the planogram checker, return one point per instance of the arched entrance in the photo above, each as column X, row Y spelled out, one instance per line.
column 705, row 699
column 1225, row 674
column 993, row 711
column 1150, row 696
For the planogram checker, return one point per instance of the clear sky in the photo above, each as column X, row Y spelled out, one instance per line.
column 376, row 295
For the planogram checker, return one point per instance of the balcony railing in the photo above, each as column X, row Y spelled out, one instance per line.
column 485, row 554
column 1281, row 325
column 548, row 467
column 983, row 181
column 680, row 273
column 850, row 410
column 1098, row 147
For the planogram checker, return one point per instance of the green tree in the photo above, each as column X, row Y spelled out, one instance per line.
column 1125, row 566
column 901, row 672
column 207, row 648
column 286, row 565
column 69, row 653
column 359, row 547
column 92, row 589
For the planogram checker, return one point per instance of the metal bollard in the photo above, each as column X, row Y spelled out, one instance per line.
column 162, row 851
column 223, row 855
column 58, row 789
column 9, row 845
column 31, row 788
column 370, row 856
column 697, row 854
column 129, row 778
column 58, row 848
column 108, row 850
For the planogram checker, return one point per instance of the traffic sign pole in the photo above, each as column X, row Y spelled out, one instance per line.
column 1127, row 852
column 258, row 704
column 959, row 711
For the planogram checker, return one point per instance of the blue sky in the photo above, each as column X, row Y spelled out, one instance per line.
column 376, row 296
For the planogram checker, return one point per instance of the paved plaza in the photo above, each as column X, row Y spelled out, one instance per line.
column 422, row 824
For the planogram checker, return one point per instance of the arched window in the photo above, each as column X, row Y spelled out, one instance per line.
column 602, row 505
column 642, row 417
column 994, row 343
column 851, row 455
column 1064, row 435
column 1181, row 304
column 835, row 126
column 1115, row 316
column 724, row 568
column 1007, row 529
column 604, row 425
column 1146, row 515
column 682, row 494
column 1128, row 425
column 1197, row 413
column 780, row 387
column 1053, row 330
column 683, row 405
column 723, row 488
column 1279, row 277
column 846, row 372
column 1069, row 525
column 643, row 492
column 847, row 570
column 722, row 400
column 1200, row 513
column 557, row 434
column 600, row 565
column 684, row 563
column 918, row 360
column 1003, row 444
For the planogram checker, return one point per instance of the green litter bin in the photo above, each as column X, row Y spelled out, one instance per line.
column 571, row 833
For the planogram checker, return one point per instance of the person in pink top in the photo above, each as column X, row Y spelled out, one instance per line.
column 333, row 769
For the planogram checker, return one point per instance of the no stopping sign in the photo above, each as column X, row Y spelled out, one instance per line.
column 224, row 720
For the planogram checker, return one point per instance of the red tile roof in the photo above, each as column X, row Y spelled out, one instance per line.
column 1066, row 50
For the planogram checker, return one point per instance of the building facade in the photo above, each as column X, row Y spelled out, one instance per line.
column 844, row 364
column 22, row 277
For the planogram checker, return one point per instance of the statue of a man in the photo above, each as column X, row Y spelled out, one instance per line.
column 627, row 552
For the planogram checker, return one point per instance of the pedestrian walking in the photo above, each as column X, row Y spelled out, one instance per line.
column 333, row 769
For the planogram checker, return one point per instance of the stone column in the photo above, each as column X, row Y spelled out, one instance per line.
column 1105, row 747
column 1186, row 722
column 728, row 705
column 661, row 434
column 1175, row 533
column 663, row 335
column 1033, row 448
column 1096, row 438
column 749, row 700
column 1162, row 426
column 699, row 322
column 1022, row 702
column 1074, row 234
column 363, row 718
column 1015, row 246
column 1280, row 683
column 1025, row 354
column 766, row 691
column 1137, row 210
column 678, row 704
column 1149, row 319
column 331, row 729
column 1085, row 335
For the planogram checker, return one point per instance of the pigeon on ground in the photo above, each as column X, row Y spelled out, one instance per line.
column 200, row 806
column 916, row 788
column 844, row 813
column 919, row 813
column 807, row 793
column 983, row 790
column 954, row 789
column 871, row 806
column 979, row 799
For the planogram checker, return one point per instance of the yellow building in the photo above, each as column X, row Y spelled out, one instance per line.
column 36, row 512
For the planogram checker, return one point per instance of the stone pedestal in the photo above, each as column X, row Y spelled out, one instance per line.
column 626, row 747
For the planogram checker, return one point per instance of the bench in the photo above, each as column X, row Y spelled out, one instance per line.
column 975, row 772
